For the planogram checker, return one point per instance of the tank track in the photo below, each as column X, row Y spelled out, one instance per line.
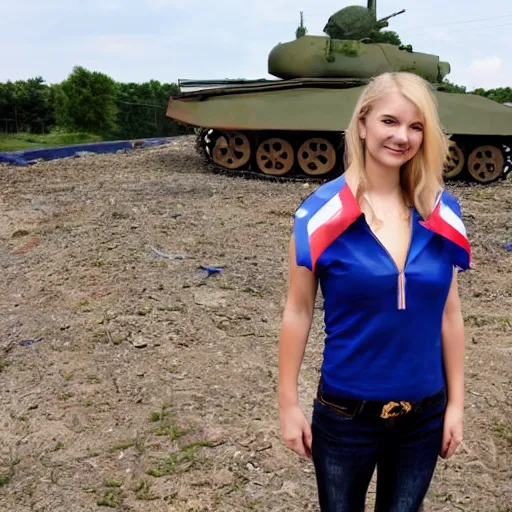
column 297, row 176
column 248, row 173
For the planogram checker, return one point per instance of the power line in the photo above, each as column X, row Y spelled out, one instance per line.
column 459, row 22
column 141, row 104
column 468, row 29
column 481, row 28
column 431, row 25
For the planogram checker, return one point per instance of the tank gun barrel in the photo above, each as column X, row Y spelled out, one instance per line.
column 372, row 7
column 383, row 20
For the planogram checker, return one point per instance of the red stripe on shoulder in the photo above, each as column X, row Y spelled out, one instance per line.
column 325, row 234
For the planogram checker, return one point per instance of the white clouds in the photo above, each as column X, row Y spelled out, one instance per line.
column 138, row 40
column 487, row 65
column 488, row 72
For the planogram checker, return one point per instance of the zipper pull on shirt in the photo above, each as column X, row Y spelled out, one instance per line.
column 401, row 290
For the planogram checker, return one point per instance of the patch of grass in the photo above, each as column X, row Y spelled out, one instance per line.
column 58, row 446
column 175, row 462
column 109, row 499
column 92, row 453
column 68, row 377
column 123, row 446
column 504, row 431
column 20, row 141
column 178, row 461
column 65, row 396
column 207, row 444
column 143, row 491
column 4, row 480
column 3, row 364
column 93, row 378
column 97, row 263
column 165, row 428
column 170, row 430
column 155, row 416
column 113, row 483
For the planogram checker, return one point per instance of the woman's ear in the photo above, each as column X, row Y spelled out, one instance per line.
column 362, row 129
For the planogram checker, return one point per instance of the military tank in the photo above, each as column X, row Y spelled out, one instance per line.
column 293, row 126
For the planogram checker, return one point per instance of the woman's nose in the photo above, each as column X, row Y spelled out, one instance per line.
column 401, row 134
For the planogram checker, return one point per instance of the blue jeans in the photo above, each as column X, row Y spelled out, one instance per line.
column 346, row 450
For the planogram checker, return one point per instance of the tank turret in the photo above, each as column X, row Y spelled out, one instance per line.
column 352, row 48
column 356, row 22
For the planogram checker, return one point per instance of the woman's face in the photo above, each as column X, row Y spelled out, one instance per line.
column 393, row 131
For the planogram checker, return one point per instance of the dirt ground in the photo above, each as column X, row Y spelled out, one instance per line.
column 149, row 386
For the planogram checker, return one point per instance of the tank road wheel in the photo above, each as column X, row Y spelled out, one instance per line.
column 316, row 156
column 455, row 161
column 275, row 156
column 231, row 150
column 485, row 163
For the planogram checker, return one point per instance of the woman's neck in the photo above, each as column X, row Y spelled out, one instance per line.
column 382, row 181
column 382, row 184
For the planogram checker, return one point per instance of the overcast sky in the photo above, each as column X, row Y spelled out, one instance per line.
column 139, row 40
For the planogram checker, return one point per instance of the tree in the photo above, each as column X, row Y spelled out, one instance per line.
column 90, row 102
column 501, row 94
column 451, row 87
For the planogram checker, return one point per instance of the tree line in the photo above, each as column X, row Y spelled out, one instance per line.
column 91, row 102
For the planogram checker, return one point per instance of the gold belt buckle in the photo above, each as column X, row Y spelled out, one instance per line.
column 393, row 409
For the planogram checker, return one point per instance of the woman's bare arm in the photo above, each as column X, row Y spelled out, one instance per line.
column 453, row 346
column 296, row 324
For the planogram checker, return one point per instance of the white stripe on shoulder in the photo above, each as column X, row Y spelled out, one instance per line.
column 328, row 210
column 452, row 218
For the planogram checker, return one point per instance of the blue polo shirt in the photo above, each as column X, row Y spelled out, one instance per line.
column 382, row 327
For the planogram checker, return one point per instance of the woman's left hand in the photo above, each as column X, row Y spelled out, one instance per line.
column 452, row 430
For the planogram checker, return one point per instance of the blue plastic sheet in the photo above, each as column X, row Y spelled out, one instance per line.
column 29, row 156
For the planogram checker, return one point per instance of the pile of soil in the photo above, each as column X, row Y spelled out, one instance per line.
column 134, row 379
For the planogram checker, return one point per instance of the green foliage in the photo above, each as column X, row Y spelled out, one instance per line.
column 501, row 94
column 448, row 86
column 24, row 140
column 351, row 48
column 352, row 22
column 142, row 110
column 86, row 107
column 90, row 102
column 26, row 106
column 406, row 47
column 387, row 36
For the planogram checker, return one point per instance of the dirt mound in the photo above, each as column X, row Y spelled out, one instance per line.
column 131, row 379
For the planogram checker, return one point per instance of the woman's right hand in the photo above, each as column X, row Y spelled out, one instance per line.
column 295, row 430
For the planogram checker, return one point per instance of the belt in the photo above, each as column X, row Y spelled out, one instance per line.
column 353, row 407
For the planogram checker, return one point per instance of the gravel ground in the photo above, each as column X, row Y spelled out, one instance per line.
column 149, row 386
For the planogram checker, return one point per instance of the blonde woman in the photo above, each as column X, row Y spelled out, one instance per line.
column 384, row 243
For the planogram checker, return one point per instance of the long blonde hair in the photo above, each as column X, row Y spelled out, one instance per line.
column 422, row 176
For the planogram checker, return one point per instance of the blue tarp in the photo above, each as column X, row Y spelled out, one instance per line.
column 28, row 156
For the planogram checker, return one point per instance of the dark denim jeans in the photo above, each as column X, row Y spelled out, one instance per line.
column 346, row 451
